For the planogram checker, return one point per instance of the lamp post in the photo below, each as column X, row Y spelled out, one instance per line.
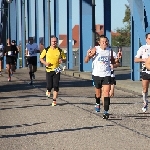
column 5, row 22
column 9, row 1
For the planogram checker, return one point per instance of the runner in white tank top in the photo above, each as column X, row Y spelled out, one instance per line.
column 142, row 54
column 31, row 55
column 101, row 72
column 113, row 80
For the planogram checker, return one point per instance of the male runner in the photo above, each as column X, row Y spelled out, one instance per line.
column 31, row 54
column 142, row 54
column 54, row 55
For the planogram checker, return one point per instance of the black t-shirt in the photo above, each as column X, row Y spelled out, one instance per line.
column 10, row 50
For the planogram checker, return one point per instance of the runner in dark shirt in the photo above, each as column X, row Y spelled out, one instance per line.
column 10, row 52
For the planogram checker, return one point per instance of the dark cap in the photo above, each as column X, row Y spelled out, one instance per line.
column 13, row 41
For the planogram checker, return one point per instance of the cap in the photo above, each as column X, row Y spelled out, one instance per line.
column 13, row 41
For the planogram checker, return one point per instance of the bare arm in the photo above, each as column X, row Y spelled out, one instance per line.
column 87, row 59
column 138, row 60
column 44, row 62
column 90, row 54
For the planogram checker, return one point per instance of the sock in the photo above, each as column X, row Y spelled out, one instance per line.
column 145, row 97
column 97, row 100
column 106, row 103
column 105, row 112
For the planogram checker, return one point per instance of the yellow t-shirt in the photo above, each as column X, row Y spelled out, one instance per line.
column 52, row 57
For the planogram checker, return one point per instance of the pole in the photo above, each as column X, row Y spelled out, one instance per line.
column 49, row 21
column 93, row 23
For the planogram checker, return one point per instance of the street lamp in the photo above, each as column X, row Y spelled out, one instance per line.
column 9, row 1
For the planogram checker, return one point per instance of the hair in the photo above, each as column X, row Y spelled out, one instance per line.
column 146, row 35
column 53, row 36
column 102, row 36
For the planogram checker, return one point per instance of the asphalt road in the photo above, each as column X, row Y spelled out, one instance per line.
column 29, row 122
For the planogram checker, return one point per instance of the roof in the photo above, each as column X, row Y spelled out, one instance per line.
column 99, row 28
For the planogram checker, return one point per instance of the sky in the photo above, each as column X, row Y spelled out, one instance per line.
column 117, row 14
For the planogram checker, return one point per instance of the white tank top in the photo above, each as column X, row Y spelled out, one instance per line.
column 144, row 52
column 101, row 62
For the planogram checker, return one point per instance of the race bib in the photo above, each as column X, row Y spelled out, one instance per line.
column 10, row 53
column 102, row 63
column 103, row 59
column 31, row 52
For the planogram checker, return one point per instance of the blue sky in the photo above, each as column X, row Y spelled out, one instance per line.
column 117, row 14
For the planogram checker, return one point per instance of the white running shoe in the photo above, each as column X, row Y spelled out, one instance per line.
column 145, row 107
column 48, row 94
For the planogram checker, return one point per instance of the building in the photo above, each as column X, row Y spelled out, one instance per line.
column 99, row 29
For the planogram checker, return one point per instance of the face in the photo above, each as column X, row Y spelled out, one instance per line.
column 54, row 42
column 30, row 40
column 8, row 41
column 103, row 42
column 148, row 39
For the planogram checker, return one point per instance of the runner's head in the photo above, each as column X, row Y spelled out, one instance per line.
column 31, row 40
column 13, row 42
column 54, row 41
column 103, row 41
column 8, row 41
column 147, row 36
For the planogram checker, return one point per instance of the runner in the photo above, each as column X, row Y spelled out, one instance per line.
column 10, row 52
column 142, row 54
column 31, row 54
column 54, row 56
column 1, row 57
column 101, row 72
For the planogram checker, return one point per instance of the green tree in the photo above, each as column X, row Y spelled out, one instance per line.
column 123, row 37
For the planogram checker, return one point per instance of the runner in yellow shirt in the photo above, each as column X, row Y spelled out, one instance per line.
column 54, row 57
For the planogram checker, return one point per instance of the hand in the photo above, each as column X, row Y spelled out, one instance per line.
column 47, row 64
column 112, row 66
column 60, row 61
column 91, row 52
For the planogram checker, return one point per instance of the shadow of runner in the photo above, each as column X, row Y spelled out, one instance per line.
column 48, row 132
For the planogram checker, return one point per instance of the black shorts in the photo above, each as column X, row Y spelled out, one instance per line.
column 52, row 80
column 100, row 81
column 32, row 60
column 10, row 60
column 113, row 81
column 145, row 76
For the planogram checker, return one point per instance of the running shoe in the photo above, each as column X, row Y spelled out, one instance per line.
column 9, row 79
column 145, row 106
column 97, row 107
column 48, row 94
column 106, row 116
column 31, row 82
column 54, row 103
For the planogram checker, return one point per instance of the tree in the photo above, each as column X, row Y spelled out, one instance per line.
column 124, row 36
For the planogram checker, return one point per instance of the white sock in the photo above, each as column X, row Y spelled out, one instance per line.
column 145, row 97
